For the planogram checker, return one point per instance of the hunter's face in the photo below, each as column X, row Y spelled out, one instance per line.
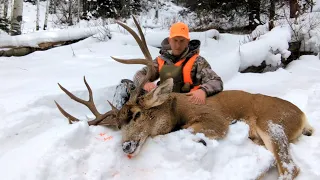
column 178, row 44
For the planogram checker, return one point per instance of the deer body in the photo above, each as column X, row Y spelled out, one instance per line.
column 220, row 110
column 273, row 122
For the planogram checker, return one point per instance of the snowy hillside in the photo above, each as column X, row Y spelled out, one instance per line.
column 37, row 143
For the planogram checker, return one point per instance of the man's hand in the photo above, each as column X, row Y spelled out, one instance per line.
column 149, row 86
column 197, row 96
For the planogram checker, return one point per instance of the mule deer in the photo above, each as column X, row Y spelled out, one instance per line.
column 272, row 121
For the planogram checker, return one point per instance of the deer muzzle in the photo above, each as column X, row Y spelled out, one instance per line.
column 129, row 147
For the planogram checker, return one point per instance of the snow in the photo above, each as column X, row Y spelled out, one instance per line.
column 317, row 6
column 38, row 143
column 35, row 38
column 269, row 47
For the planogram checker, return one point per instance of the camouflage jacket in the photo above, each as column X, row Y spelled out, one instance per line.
column 201, row 72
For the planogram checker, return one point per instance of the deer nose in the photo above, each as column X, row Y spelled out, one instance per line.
column 130, row 146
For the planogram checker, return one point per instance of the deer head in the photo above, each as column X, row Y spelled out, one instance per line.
column 151, row 115
column 142, row 116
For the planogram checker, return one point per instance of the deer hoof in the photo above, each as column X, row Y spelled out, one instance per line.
column 203, row 142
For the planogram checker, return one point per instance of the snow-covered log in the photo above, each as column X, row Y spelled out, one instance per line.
column 16, row 51
column 28, row 43
column 36, row 38
column 22, row 51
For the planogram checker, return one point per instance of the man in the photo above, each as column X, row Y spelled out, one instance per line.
column 179, row 59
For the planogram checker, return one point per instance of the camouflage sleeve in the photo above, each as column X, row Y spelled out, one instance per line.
column 211, row 83
column 137, row 78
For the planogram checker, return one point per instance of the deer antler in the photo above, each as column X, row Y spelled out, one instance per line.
column 107, row 118
column 148, row 61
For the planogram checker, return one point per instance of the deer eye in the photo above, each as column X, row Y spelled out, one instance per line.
column 126, row 116
column 137, row 115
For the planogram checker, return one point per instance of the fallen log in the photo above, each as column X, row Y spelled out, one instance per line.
column 43, row 40
column 22, row 51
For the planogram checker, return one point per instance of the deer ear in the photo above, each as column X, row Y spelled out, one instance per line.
column 157, row 96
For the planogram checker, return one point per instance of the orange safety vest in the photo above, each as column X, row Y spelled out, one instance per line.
column 186, row 69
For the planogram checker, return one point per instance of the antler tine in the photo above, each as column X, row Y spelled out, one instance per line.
column 112, row 106
column 132, row 61
column 67, row 115
column 90, row 96
column 141, row 35
column 104, row 118
column 141, row 44
column 137, row 91
column 90, row 104
column 148, row 61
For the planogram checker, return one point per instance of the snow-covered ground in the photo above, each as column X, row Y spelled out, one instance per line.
column 37, row 143
column 317, row 6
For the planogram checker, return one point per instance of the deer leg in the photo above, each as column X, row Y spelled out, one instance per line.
column 277, row 142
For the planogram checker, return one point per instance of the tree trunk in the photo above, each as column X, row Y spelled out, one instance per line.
column 5, row 8
column 294, row 8
column 272, row 13
column 70, row 14
column 38, row 15
column 254, row 13
column 78, row 13
column 157, row 10
column 85, row 6
column 45, row 25
column 55, row 3
column 3, row 16
column 16, row 18
column 1, row 8
column 51, row 7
